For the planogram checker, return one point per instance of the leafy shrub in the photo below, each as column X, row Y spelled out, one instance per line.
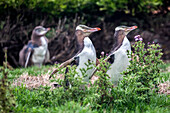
column 7, row 100
column 132, row 7
column 60, row 7
column 143, row 73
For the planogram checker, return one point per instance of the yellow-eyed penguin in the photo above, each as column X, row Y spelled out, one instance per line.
column 36, row 51
column 86, row 51
column 118, row 55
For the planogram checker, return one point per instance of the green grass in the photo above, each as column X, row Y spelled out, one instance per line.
column 30, row 70
column 69, row 107
column 165, row 75
column 44, row 100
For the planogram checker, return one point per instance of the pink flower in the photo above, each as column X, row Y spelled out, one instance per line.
column 138, row 38
column 102, row 53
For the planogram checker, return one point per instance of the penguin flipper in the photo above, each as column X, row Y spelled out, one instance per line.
column 75, row 61
column 111, row 59
column 47, row 57
column 22, row 56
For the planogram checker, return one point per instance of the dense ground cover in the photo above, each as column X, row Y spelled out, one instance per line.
column 45, row 100
column 137, row 92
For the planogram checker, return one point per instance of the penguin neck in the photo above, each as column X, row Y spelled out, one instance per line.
column 119, row 37
column 80, row 43
column 36, row 39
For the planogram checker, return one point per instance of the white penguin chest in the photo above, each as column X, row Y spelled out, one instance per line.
column 87, row 54
column 40, row 52
column 120, row 62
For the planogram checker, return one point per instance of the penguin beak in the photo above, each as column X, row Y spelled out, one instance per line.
column 131, row 28
column 44, row 31
column 48, row 29
column 94, row 30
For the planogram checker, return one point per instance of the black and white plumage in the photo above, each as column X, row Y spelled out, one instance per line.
column 87, row 54
column 36, row 51
column 86, row 51
column 118, row 57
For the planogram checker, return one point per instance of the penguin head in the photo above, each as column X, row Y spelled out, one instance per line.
column 40, row 31
column 85, row 30
column 125, row 29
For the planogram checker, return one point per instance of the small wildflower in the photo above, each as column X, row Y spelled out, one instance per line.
column 107, row 54
column 148, row 43
column 102, row 53
column 153, row 42
column 138, row 38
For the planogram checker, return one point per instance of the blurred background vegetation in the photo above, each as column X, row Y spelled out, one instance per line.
column 19, row 17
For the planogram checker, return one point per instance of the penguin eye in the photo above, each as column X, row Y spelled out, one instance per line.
column 38, row 30
column 85, row 27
